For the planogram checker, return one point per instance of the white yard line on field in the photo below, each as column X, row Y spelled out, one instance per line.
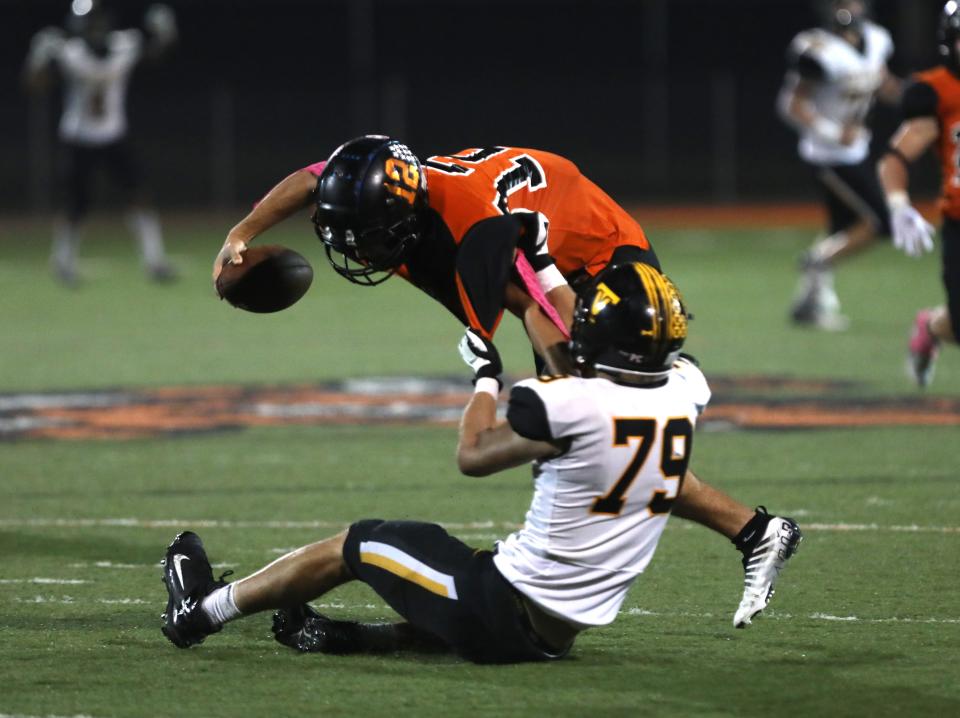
column 776, row 616
column 137, row 523
column 70, row 600
column 67, row 581
column 635, row 612
column 908, row 528
column 137, row 566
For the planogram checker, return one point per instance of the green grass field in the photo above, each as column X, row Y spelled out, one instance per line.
column 865, row 622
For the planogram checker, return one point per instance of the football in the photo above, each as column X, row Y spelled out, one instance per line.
column 270, row 278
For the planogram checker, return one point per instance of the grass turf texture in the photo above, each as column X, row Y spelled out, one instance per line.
column 95, row 648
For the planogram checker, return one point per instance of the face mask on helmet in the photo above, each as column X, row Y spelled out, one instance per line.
column 369, row 256
column 370, row 198
column 631, row 321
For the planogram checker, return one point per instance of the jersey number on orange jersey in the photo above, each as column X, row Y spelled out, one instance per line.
column 515, row 172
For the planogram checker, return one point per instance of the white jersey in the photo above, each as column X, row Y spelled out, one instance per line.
column 95, row 87
column 847, row 90
column 599, row 509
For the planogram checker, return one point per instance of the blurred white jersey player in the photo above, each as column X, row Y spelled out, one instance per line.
column 835, row 73
column 95, row 63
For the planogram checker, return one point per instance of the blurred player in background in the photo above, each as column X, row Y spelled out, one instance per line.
column 835, row 73
column 931, row 116
column 610, row 450
column 95, row 62
column 452, row 226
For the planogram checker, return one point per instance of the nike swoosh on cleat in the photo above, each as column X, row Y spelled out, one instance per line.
column 176, row 566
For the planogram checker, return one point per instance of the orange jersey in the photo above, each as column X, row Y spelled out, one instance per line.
column 946, row 86
column 586, row 225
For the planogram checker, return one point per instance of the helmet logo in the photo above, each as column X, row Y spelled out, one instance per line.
column 602, row 298
column 402, row 179
column 678, row 318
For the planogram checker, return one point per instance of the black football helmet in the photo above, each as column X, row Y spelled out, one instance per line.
column 842, row 15
column 949, row 34
column 630, row 321
column 369, row 204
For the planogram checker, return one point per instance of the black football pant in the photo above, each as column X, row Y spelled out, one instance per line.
column 852, row 194
column 950, row 247
column 79, row 165
column 442, row 586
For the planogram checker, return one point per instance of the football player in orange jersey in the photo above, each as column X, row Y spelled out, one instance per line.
column 452, row 226
column 457, row 241
column 931, row 112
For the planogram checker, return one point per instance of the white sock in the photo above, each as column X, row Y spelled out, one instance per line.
column 66, row 239
column 826, row 247
column 146, row 227
column 220, row 606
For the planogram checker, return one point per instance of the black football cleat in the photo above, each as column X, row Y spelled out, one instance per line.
column 162, row 273
column 188, row 576
column 307, row 631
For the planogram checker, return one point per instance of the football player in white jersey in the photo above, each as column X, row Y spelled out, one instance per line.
column 95, row 63
column 609, row 450
column 835, row 74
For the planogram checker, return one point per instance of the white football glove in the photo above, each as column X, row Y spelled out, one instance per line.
column 480, row 355
column 912, row 234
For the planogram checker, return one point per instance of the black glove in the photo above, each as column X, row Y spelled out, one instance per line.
column 482, row 356
column 533, row 240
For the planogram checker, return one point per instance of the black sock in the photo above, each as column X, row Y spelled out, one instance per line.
column 750, row 534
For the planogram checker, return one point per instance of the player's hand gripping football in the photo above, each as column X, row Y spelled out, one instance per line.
column 912, row 234
column 533, row 241
column 230, row 253
column 481, row 356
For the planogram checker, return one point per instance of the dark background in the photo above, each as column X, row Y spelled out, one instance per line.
column 654, row 99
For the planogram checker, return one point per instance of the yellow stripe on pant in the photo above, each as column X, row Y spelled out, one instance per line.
column 405, row 566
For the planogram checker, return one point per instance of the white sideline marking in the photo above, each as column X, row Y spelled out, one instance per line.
column 453, row 525
column 910, row 528
column 774, row 616
column 151, row 566
column 636, row 612
column 24, row 715
column 218, row 523
column 66, row 581
column 69, row 600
